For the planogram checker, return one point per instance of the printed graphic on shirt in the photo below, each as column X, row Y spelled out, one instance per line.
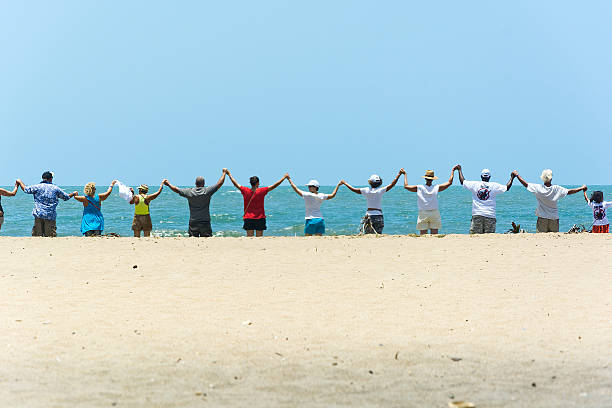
column 483, row 194
column 599, row 213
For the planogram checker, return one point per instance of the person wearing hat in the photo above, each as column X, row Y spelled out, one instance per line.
column 92, row 223
column 198, row 198
column 6, row 193
column 142, row 216
column 46, row 195
column 484, row 193
column 314, row 224
column 547, row 195
column 427, row 201
column 373, row 194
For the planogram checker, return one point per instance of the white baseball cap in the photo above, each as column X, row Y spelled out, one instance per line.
column 374, row 178
column 313, row 183
column 485, row 173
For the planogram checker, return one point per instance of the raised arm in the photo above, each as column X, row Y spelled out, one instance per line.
column 81, row 199
column 278, row 183
column 576, row 190
column 333, row 194
column 512, row 176
column 11, row 193
column 153, row 196
column 21, row 185
column 394, row 182
column 522, row 180
column 353, row 189
column 409, row 187
column 297, row 190
column 170, row 186
column 460, row 172
column 107, row 193
column 234, row 182
column 449, row 183
column 135, row 198
column 585, row 196
column 221, row 179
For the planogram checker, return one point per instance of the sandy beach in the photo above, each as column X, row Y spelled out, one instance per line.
column 498, row 320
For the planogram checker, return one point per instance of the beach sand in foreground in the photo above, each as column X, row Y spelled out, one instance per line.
column 499, row 320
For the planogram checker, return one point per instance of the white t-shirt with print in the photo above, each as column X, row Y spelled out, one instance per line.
column 373, row 198
column 599, row 212
column 547, row 199
column 483, row 196
column 313, row 203
column 427, row 197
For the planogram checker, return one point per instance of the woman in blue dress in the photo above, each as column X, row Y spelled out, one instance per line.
column 92, row 224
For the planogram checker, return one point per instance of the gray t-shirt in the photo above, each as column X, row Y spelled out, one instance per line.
column 199, row 202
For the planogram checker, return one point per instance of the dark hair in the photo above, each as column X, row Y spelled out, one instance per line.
column 486, row 179
column 375, row 184
column 199, row 181
column 47, row 175
column 254, row 180
column 597, row 196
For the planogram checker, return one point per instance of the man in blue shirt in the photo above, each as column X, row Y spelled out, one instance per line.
column 46, row 196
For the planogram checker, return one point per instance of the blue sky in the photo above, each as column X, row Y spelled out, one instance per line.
column 143, row 90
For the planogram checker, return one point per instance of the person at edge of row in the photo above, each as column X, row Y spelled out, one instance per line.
column 142, row 216
column 46, row 195
column 6, row 193
column 254, row 215
column 427, row 201
column 314, row 224
column 92, row 223
column 484, row 194
column 198, row 198
column 374, row 195
column 547, row 195
column 601, row 225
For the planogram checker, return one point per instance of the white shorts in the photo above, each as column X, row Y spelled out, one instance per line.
column 429, row 219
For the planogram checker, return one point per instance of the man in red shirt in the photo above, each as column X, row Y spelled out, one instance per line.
column 254, row 214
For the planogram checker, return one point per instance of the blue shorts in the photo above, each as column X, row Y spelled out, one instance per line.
column 314, row 226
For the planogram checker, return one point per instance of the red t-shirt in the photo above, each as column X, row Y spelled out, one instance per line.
column 254, row 208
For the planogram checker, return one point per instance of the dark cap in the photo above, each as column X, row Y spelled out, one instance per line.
column 47, row 175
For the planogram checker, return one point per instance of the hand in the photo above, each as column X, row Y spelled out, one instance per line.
column 514, row 174
column 286, row 175
column 74, row 193
column 225, row 171
column 342, row 182
column 457, row 167
column 131, row 190
column 165, row 182
column 402, row 171
column 584, row 188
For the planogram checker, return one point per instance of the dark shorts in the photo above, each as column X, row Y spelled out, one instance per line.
column 142, row 223
column 93, row 233
column 200, row 229
column 44, row 228
column 258, row 224
column 375, row 225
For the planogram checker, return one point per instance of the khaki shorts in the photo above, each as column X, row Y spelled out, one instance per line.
column 429, row 219
column 142, row 223
column 482, row 225
column 547, row 225
column 44, row 228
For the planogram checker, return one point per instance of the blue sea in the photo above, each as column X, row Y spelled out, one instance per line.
column 285, row 212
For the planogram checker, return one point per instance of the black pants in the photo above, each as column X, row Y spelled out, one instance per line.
column 200, row 229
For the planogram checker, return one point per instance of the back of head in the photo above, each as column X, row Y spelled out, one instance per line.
column 254, row 181
column 47, row 175
column 546, row 175
column 597, row 196
column 485, row 175
column 199, row 182
column 486, row 179
column 89, row 188
column 375, row 183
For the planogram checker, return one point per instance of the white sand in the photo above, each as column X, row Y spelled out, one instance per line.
column 334, row 321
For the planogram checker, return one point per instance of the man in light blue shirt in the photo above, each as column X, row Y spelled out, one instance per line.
column 46, row 195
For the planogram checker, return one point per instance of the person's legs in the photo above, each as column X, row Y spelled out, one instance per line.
column 489, row 225
column 250, row 233
column 136, row 226
column 146, row 233
column 434, row 221
column 259, row 233
column 423, row 232
column 433, row 231
column 50, row 229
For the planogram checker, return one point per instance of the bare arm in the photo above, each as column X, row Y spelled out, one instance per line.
column 153, row 196
column 234, row 182
column 446, row 185
column 512, row 176
column 576, row 190
column 20, row 184
column 171, row 187
column 81, row 199
column 522, row 180
column 134, row 199
column 297, row 190
column 461, row 178
column 7, row 193
column 394, row 182
column 409, row 187
column 278, row 183
column 222, row 178
column 105, row 194
column 585, row 196
column 333, row 194
column 353, row 189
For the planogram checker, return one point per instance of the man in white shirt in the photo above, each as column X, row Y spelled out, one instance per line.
column 373, row 220
column 548, row 195
column 427, row 201
column 314, row 224
column 484, row 195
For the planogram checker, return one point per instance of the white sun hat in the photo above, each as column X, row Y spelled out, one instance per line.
column 374, row 178
column 313, row 183
column 485, row 173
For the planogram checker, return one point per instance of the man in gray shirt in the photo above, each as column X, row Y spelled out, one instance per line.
column 199, row 203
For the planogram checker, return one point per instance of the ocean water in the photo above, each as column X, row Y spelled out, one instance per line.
column 285, row 212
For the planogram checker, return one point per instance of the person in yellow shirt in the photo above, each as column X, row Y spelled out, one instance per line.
column 142, row 217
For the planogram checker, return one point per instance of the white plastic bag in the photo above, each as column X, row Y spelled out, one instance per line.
column 124, row 191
